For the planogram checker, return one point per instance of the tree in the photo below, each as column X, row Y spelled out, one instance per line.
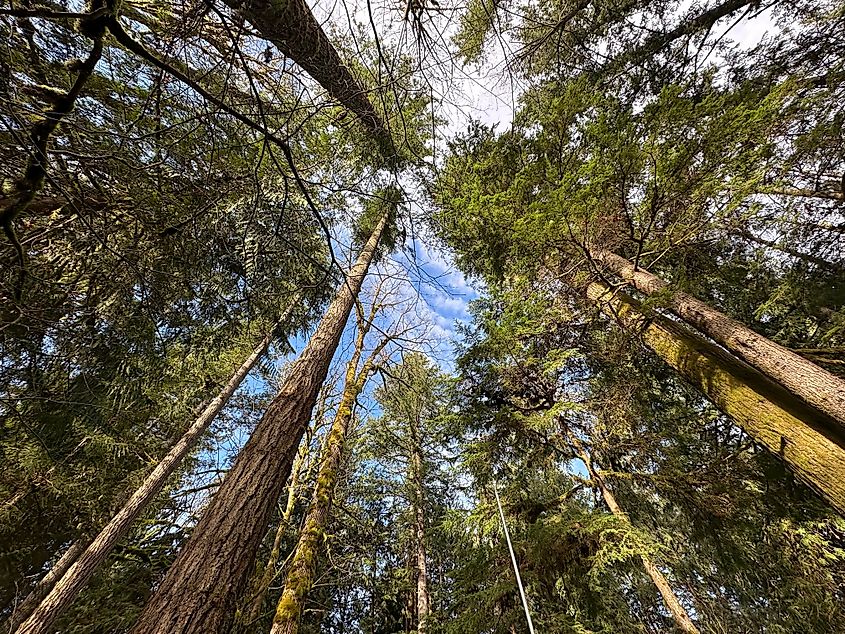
column 303, row 566
column 200, row 589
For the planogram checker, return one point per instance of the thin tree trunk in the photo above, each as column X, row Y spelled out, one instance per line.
column 43, row 587
column 670, row 600
column 805, row 193
column 795, row 253
column 294, row 30
column 80, row 572
column 773, row 417
column 812, row 384
column 198, row 593
column 416, row 465
column 300, row 577
column 657, row 42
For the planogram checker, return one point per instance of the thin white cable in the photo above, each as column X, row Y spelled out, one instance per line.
column 513, row 560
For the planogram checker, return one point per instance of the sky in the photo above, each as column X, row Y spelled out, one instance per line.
column 434, row 294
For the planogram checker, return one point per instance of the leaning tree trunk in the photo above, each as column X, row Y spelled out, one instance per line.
column 303, row 567
column 418, row 504
column 262, row 583
column 814, row 385
column 26, row 607
column 294, row 30
column 809, row 444
column 66, row 589
column 198, row 593
column 670, row 599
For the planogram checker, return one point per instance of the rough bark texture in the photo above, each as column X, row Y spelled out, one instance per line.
column 198, row 593
column 303, row 567
column 262, row 583
column 73, row 581
column 290, row 25
column 812, row 384
column 43, row 587
column 807, row 442
column 670, row 599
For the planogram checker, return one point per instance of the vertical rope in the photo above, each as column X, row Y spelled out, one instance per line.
column 513, row 560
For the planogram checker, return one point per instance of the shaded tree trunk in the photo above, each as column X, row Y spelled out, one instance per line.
column 807, row 442
column 670, row 599
column 198, row 593
column 812, row 384
column 43, row 587
column 293, row 29
column 418, row 503
column 71, row 583
column 300, row 577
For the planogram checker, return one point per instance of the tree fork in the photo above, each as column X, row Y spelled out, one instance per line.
column 805, row 440
column 199, row 592
column 803, row 378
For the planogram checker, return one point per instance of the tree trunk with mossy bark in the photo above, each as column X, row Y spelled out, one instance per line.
column 810, row 444
column 803, row 378
column 199, row 592
column 68, row 586
column 670, row 599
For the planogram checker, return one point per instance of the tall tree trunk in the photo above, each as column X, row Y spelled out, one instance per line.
column 262, row 584
column 71, row 583
column 198, row 593
column 294, row 30
column 300, row 577
column 418, row 504
column 43, row 587
column 670, row 600
column 812, row 384
column 805, row 440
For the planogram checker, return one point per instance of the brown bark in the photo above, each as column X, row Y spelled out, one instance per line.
column 262, row 584
column 293, row 29
column 670, row 599
column 43, row 587
column 802, row 438
column 303, row 567
column 810, row 383
column 198, row 593
column 77, row 576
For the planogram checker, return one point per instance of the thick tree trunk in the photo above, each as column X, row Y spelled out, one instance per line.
column 262, row 584
column 418, row 502
column 198, row 593
column 807, row 442
column 290, row 25
column 300, row 577
column 670, row 599
column 77, row 576
column 812, row 384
